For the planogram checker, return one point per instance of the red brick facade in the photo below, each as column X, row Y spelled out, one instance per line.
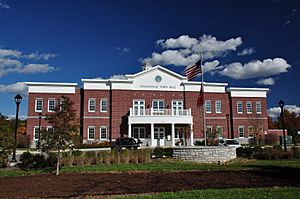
column 119, row 101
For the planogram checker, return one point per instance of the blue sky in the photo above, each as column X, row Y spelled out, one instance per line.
column 247, row 43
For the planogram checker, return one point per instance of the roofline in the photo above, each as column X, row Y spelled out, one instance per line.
column 246, row 89
column 50, row 84
column 205, row 83
column 106, row 80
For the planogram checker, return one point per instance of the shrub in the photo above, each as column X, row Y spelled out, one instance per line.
column 95, row 145
column 162, row 152
column 125, row 156
column 296, row 152
column 3, row 159
column 89, row 158
column 199, row 143
column 115, row 157
column 78, row 158
column 30, row 161
column 22, row 141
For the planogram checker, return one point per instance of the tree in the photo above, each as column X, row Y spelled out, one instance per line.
column 256, row 127
column 6, row 139
column 65, row 130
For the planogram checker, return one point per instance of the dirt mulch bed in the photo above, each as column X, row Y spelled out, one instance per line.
column 103, row 184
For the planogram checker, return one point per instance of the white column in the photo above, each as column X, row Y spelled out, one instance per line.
column 129, row 130
column 191, row 135
column 173, row 134
column 152, row 134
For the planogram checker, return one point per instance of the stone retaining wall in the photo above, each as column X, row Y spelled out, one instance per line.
column 201, row 154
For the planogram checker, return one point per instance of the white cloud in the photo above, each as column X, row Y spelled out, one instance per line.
column 19, row 87
column 12, row 61
column 246, row 51
column 275, row 111
column 4, row 5
column 255, row 69
column 37, row 68
column 9, row 53
column 118, row 77
column 267, row 81
column 185, row 50
column 122, row 50
column 40, row 56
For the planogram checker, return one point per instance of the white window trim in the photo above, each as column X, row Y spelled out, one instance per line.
column 219, row 126
column 249, row 112
column 36, row 99
column 50, row 99
column 159, row 110
column 237, row 107
column 103, row 99
column 133, row 105
column 48, row 127
column 89, row 110
column 139, row 133
column 243, row 131
column 258, row 102
column 88, row 132
column 34, row 128
column 205, row 106
column 103, row 127
column 218, row 101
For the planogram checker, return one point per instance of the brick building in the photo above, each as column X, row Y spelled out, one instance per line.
column 156, row 105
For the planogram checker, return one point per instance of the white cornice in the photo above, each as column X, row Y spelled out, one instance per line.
column 50, row 84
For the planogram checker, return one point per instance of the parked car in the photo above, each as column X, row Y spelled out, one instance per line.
column 126, row 143
column 229, row 142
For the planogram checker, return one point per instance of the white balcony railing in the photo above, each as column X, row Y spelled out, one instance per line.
column 164, row 112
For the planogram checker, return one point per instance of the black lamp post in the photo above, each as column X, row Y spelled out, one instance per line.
column 18, row 100
column 39, row 141
column 281, row 105
column 227, row 118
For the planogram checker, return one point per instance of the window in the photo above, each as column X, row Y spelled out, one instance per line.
column 218, row 106
column 219, row 131
column 103, row 105
column 36, row 133
column 207, row 106
column 103, row 133
column 258, row 107
column 241, row 131
column 38, row 105
column 177, row 107
column 158, row 105
column 249, row 107
column 240, row 107
column 91, row 133
column 138, row 107
column 92, row 105
column 62, row 104
column 50, row 129
column 209, row 131
column 51, row 105
column 139, row 132
column 250, row 131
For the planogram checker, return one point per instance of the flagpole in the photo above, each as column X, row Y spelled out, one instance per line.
column 202, row 85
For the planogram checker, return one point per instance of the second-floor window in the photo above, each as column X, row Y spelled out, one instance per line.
column 207, row 106
column 258, row 107
column 92, row 105
column 218, row 106
column 249, row 107
column 38, row 105
column 177, row 107
column 51, row 105
column 103, row 103
column 158, row 105
column 138, row 107
column 240, row 107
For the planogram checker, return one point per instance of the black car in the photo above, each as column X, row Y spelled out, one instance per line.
column 125, row 142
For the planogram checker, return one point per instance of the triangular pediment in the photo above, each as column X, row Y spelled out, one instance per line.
column 157, row 78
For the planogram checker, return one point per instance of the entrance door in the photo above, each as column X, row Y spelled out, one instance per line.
column 159, row 136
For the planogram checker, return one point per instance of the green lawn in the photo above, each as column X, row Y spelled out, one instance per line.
column 264, row 193
column 167, row 166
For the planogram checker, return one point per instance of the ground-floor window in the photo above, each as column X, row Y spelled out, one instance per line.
column 241, row 131
column 139, row 132
column 103, row 133
column 91, row 133
column 36, row 133
column 219, row 131
column 250, row 131
column 50, row 129
column 179, row 133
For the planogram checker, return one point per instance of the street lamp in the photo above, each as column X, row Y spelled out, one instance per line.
column 281, row 105
column 227, row 118
column 39, row 141
column 18, row 100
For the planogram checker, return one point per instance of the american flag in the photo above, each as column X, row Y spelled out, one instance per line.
column 200, row 100
column 194, row 70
